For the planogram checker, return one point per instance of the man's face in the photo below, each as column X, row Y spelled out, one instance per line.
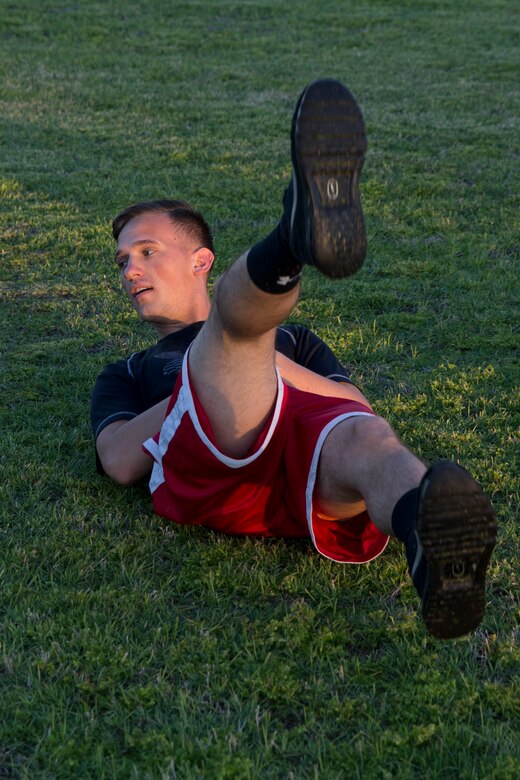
column 156, row 262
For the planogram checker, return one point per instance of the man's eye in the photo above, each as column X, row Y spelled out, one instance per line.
column 122, row 264
column 147, row 252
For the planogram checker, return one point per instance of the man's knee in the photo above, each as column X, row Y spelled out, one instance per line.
column 356, row 454
column 356, row 442
column 368, row 433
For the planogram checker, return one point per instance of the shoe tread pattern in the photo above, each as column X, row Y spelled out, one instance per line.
column 457, row 529
column 329, row 145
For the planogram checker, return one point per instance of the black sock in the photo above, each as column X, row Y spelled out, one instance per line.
column 272, row 266
column 403, row 524
column 403, row 516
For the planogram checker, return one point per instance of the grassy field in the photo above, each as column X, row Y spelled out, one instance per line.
column 131, row 648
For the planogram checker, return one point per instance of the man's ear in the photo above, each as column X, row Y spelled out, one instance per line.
column 203, row 260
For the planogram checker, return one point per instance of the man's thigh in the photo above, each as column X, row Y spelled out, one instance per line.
column 343, row 456
column 232, row 361
column 235, row 380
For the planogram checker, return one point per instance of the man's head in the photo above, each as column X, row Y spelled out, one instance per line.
column 164, row 255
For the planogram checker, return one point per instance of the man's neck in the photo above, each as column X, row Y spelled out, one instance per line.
column 163, row 329
column 198, row 313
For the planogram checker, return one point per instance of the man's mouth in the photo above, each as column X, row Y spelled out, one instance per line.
column 139, row 291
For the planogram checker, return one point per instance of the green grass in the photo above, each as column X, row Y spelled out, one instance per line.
column 131, row 648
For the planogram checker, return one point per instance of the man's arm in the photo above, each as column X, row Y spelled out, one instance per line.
column 119, row 445
column 310, row 382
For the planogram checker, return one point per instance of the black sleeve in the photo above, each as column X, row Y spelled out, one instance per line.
column 115, row 396
column 306, row 348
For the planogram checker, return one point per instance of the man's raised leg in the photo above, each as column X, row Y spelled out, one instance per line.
column 232, row 361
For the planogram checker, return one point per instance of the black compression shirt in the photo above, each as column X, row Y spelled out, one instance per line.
column 128, row 387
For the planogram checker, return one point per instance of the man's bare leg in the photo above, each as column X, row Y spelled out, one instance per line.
column 442, row 516
column 232, row 360
column 362, row 456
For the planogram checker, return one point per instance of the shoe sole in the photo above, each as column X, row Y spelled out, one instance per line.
column 457, row 530
column 328, row 145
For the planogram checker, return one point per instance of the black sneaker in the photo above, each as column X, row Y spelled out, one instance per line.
column 455, row 533
column 322, row 207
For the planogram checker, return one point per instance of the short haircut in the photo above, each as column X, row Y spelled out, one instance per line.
column 181, row 214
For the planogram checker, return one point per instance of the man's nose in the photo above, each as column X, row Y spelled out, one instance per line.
column 132, row 269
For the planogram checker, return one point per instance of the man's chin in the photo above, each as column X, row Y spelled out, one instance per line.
column 151, row 318
column 156, row 320
column 146, row 312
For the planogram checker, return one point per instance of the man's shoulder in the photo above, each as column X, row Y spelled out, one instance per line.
column 170, row 348
column 309, row 350
column 293, row 331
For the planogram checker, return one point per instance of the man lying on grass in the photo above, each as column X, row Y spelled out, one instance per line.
column 242, row 421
